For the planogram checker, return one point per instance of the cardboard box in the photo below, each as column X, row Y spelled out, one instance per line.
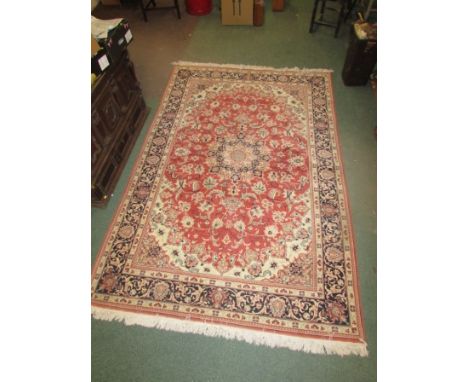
column 237, row 12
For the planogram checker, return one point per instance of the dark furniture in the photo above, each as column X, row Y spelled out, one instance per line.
column 361, row 57
column 344, row 9
column 151, row 6
column 118, row 112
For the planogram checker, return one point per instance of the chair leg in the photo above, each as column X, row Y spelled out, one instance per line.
column 143, row 10
column 322, row 9
column 351, row 5
column 176, row 4
column 340, row 19
column 369, row 9
column 312, row 20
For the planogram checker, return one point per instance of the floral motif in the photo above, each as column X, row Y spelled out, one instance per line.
column 160, row 290
column 336, row 312
column 218, row 296
column 334, row 255
column 108, row 282
column 126, row 232
column 278, row 307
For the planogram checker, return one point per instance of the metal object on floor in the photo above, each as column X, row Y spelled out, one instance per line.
column 198, row 7
column 344, row 10
column 277, row 5
column 151, row 6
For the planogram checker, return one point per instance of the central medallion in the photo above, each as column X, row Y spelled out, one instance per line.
column 238, row 156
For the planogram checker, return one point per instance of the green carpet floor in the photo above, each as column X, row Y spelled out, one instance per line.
column 122, row 353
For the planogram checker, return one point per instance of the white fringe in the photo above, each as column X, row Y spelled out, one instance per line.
column 253, row 67
column 215, row 330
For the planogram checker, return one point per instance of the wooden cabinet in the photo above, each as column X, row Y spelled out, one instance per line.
column 118, row 112
column 361, row 57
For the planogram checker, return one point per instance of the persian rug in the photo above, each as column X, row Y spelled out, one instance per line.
column 235, row 221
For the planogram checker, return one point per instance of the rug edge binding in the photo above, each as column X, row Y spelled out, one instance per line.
column 238, row 66
column 315, row 346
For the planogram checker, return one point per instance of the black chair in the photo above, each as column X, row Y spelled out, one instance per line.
column 344, row 10
column 151, row 6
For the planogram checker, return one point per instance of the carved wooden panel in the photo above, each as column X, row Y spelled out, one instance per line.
column 118, row 111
